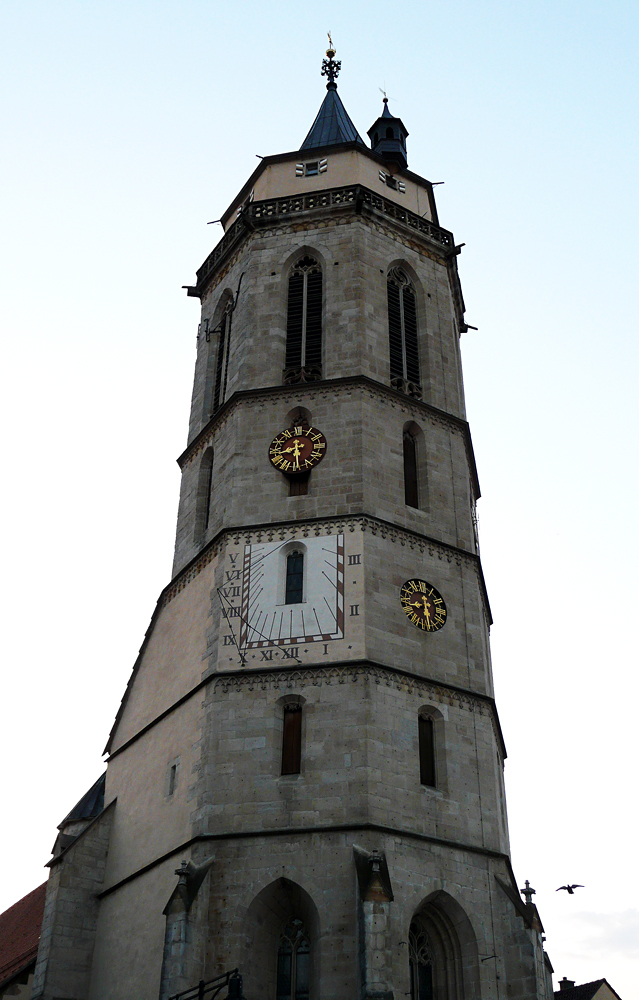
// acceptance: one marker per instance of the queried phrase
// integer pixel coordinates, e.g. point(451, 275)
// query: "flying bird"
point(570, 888)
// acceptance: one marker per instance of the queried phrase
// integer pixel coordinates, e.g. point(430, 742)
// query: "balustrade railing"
point(211, 989)
point(274, 208)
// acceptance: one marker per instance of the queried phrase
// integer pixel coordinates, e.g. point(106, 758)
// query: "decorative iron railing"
point(274, 208)
point(211, 989)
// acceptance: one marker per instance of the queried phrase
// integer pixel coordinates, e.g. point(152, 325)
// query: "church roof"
point(586, 991)
point(91, 804)
point(19, 934)
point(332, 125)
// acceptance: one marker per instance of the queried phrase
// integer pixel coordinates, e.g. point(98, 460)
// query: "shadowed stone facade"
point(381, 883)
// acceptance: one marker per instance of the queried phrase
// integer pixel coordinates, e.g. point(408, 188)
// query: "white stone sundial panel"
point(266, 619)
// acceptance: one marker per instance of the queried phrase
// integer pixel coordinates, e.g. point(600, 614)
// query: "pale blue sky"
point(126, 127)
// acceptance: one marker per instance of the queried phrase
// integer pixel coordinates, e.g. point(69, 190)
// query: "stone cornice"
point(349, 671)
point(296, 832)
point(284, 530)
point(324, 388)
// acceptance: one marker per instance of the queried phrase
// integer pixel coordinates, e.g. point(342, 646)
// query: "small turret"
point(388, 137)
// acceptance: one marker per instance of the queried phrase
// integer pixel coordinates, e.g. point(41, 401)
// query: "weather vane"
point(330, 66)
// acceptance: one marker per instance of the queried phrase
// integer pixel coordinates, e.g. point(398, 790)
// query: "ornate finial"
point(330, 66)
point(528, 892)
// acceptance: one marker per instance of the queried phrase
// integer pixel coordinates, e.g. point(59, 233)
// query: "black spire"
point(388, 137)
point(332, 126)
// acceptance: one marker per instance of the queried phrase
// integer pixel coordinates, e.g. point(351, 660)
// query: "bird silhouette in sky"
point(570, 888)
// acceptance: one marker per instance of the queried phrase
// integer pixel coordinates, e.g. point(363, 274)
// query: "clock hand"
point(297, 451)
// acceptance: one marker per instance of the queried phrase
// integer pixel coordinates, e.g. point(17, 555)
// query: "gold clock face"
point(297, 449)
point(423, 605)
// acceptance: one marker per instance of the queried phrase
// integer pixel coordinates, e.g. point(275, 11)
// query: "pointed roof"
point(332, 125)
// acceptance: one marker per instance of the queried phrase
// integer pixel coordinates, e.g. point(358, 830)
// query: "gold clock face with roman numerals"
point(297, 449)
point(423, 605)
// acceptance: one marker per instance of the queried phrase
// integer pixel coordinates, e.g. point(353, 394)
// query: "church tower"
point(305, 776)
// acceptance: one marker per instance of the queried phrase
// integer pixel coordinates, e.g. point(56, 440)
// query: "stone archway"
point(443, 956)
point(280, 906)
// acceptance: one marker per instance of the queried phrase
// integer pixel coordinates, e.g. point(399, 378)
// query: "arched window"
point(294, 577)
point(292, 740)
point(426, 751)
point(222, 359)
point(411, 485)
point(293, 963)
point(389, 133)
point(402, 333)
point(304, 323)
point(204, 495)
point(421, 963)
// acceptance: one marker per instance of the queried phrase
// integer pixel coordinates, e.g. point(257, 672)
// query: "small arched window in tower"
point(402, 333)
point(303, 361)
point(411, 482)
point(389, 133)
point(222, 359)
point(421, 963)
point(293, 963)
point(426, 751)
point(294, 577)
point(292, 740)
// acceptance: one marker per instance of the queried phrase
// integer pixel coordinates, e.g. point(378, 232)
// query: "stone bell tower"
point(305, 776)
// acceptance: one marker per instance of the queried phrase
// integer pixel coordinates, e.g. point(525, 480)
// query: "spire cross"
point(330, 66)
point(528, 892)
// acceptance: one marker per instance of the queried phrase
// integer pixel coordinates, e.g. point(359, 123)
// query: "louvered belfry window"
point(304, 323)
point(402, 333)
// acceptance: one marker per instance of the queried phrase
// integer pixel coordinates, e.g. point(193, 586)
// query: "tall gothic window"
point(304, 323)
point(222, 360)
point(402, 333)
point(292, 740)
point(421, 964)
point(294, 577)
point(293, 963)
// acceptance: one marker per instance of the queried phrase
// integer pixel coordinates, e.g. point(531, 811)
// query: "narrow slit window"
point(172, 778)
point(222, 361)
point(426, 751)
point(204, 496)
point(303, 362)
point(298, 485)
point(402, 333)
point(411, 491)
point(292, 740)
point(294, 577)
point(207, 493)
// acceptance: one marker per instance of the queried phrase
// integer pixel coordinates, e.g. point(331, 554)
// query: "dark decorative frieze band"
point(356, 673)
point(291, 530)
point(354, 198)
point(325, 389)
